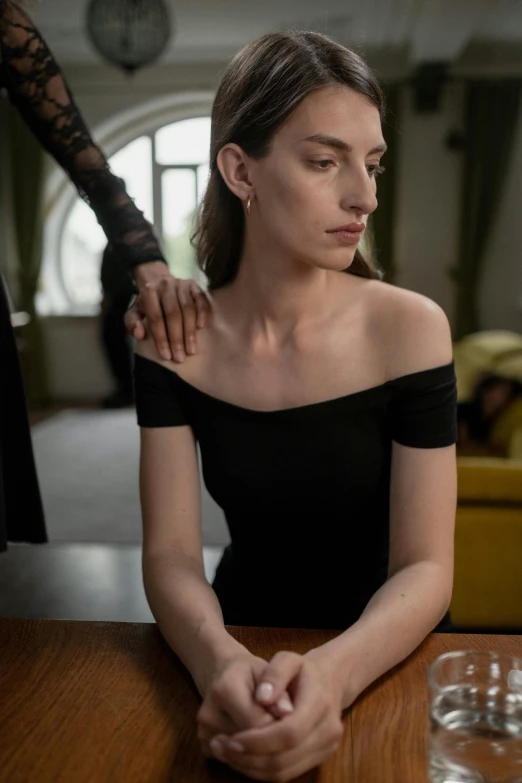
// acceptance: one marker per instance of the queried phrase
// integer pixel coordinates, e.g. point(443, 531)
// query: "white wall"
point(77, 366)
point(427, 212)
point(428, 193)
point(102, 91)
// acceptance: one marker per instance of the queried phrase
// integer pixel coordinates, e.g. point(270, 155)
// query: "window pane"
point(179, 201)
point(187, 141)
point(203, 172)
point(82, 246)
point(133, 164)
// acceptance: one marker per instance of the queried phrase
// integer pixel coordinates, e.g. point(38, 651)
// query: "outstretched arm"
point(37, 88)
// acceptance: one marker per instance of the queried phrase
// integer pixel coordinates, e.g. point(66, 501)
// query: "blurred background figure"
point(492, 396)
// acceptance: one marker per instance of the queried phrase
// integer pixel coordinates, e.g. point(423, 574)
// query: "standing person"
point(323, 401)
point(35, 86)
point(117, 292)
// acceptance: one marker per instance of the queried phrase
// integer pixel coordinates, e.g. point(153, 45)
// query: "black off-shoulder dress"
point(34, 84)
point(305, 490)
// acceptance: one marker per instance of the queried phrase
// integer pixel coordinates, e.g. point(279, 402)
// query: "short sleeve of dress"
point(423, 408)
point(156, 395)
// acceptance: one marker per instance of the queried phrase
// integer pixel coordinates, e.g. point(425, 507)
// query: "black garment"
point(36, 87)
point(116, 343)
point(21, 512)
point(113, 277)
point(118, 291)
point(305, 490)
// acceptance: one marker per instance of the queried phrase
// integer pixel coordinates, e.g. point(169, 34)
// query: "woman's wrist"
point(218, 650)
point(334, 674)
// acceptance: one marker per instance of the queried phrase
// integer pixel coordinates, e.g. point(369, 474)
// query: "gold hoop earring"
point(248, 206)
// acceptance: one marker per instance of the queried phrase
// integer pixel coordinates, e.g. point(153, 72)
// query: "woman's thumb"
point(273, 681)
point(266, 693)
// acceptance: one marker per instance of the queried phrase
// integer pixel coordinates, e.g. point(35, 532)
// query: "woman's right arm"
point(183, 603)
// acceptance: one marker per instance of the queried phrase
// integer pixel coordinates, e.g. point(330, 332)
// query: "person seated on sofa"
point(492, 395)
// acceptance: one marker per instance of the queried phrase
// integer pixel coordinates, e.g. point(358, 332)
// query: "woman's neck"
point(272, 299)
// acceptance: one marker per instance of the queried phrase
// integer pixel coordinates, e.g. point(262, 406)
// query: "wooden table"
point(109, 702)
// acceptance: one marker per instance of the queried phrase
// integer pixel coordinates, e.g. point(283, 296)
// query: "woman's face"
point(497, 397)
point(308, 187)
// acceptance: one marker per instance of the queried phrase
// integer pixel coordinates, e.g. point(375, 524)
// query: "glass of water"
point(475, 723)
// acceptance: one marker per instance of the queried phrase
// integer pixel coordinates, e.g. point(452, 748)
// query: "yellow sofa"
point(487, 589)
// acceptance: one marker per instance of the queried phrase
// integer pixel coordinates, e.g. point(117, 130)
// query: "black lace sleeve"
point(37, 88)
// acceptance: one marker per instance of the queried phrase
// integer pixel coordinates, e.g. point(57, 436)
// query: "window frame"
point(115, 133)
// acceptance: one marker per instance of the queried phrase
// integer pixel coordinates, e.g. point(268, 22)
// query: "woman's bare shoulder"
point(148, 349)
point(413, 329)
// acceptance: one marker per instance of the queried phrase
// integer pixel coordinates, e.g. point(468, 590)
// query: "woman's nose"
point(361, 196)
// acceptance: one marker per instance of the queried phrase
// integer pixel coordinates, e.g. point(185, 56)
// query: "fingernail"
point(265, 691)
point(285, 704)
point(191, 345)
point(201, 320)
point(235, 745)
point(166, 354)
point(179, 355)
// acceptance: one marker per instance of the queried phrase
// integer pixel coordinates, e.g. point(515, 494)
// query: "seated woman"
point(324, 403)
point(492, 396)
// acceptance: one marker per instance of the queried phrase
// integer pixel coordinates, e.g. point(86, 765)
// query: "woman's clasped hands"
point(271, 721)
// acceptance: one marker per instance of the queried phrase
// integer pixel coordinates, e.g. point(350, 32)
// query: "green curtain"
point(382, 221)
point(491, 112)
point(27, 185)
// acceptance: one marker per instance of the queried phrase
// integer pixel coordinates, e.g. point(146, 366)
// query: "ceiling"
point(210, 30)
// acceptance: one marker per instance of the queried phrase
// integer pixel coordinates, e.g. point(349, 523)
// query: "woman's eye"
point(375, 170)
point(319, 162)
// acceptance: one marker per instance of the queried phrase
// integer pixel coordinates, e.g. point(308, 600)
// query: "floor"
point(36, 415)
point(78, 581)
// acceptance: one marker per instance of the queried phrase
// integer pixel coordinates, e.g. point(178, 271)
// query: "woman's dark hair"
point(489, 381)
point(261, 87)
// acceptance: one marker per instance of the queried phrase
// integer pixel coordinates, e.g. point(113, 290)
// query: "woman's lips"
point(347, 237)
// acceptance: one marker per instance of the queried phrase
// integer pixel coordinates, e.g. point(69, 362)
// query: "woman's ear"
point(233, 165)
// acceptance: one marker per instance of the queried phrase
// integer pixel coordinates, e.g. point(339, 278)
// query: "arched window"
point(165, 172)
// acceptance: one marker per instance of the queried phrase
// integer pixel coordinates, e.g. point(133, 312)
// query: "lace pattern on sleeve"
point(37, 88)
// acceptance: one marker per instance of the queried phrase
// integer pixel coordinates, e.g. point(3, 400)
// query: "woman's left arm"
point(397, 619)
point(423, 500)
